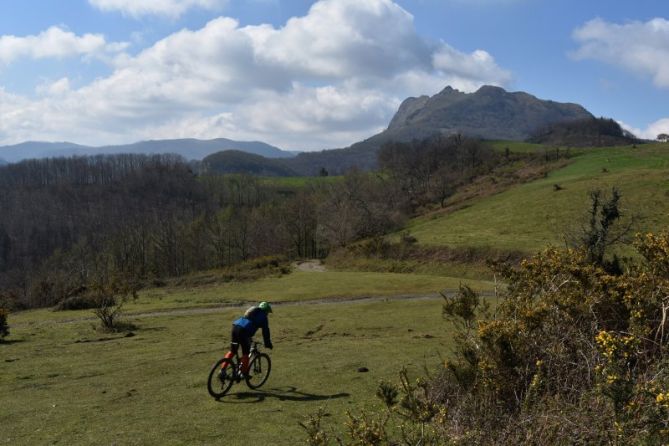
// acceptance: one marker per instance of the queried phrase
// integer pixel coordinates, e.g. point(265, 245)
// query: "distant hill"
point(589, 132)
point(2, 162)
point(235, 161)
point(34, 149)
point(335, 161)
point(188, 148)
point(489, 113)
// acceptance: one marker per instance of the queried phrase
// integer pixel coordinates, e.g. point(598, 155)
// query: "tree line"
point(67, 223)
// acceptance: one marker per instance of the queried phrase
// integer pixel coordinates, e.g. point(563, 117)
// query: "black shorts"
point(240, 337)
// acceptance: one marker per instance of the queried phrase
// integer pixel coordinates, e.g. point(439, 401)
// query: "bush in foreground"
point(572, 355)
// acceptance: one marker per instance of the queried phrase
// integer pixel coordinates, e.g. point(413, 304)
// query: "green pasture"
point(476, 274)
point(66, 383)
point(530, 216)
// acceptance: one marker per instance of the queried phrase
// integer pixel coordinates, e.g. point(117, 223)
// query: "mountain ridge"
point(490, 113)
point(189, 148)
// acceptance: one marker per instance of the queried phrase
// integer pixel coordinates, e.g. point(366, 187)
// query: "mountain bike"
point(227, 371)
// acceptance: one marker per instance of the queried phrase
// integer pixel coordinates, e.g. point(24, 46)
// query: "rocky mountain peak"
point(490, 113)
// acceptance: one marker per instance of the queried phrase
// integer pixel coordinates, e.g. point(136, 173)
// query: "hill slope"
point(531, 216)
point(588, 132)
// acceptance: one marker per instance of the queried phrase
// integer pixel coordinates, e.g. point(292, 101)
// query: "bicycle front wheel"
point(221, 378)
point(259, 371)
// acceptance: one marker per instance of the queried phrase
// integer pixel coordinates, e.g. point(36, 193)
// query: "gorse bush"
point(573, 354)
point(569, 345)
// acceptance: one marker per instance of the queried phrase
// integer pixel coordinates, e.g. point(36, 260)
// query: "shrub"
point(568, 338)
point(79, 302)
point(4, 327)
point(110, 296)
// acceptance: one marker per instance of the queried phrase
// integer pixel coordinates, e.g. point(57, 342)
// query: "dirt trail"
point(323, 301)
point(315, 266)
point(312, 266)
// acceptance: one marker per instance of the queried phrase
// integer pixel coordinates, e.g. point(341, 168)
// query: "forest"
point(69, 223)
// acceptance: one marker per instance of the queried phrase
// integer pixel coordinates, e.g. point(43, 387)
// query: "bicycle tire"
point(259, 370)
point(219, 384)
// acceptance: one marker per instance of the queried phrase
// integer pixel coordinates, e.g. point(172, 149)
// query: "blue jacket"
point(252, 321)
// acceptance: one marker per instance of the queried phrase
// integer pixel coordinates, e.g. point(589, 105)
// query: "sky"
point(313, 74)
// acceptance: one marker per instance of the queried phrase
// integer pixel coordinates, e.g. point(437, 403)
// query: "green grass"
point(530, 216)
point(475, 273)
point(294, 287)
point(64, 383)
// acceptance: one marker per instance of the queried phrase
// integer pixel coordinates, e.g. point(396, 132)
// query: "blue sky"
point(305, 74)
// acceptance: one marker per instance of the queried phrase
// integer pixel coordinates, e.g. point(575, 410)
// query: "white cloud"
point(657, 127)
point(327, 79)
point(650, 132)
point(641, 47)
point(55, 42)
point(340, 38)
point(168, 8)
point(56, 88)
point(469, 71)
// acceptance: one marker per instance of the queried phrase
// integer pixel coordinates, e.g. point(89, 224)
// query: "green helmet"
point(265, 306)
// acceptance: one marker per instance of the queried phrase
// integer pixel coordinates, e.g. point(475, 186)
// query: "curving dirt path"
point(322, 301)
point(315, 266)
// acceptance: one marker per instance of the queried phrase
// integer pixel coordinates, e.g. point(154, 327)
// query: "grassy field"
point(295, 287)
point(65, 383)
point(530, 216)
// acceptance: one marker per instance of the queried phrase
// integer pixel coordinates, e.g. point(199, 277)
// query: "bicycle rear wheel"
point(259, 371)
point(220, 378)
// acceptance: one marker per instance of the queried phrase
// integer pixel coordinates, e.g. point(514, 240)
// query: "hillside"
point(490, 113)
point(191, 149)
point(235, 161)
point(530, 216)
point(588, 132)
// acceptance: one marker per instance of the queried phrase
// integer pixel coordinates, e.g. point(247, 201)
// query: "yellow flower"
point(663, 399)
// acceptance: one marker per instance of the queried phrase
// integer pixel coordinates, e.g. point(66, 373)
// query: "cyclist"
point(245, 327)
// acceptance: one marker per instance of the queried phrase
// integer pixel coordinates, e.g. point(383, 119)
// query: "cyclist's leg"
point(234, 345)
point(245, 342)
